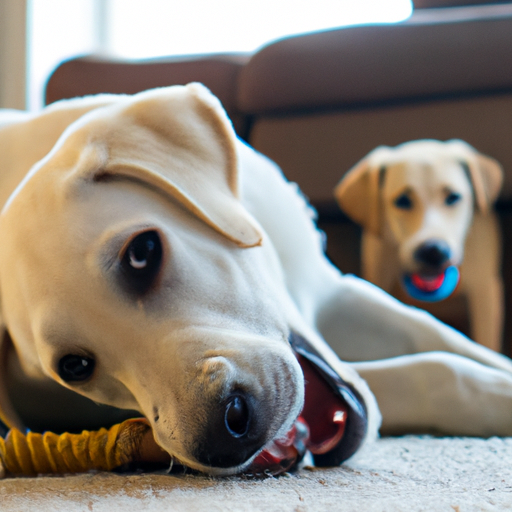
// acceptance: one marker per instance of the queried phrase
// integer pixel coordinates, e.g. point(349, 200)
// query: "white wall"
point(13, 53)
point(58, 30)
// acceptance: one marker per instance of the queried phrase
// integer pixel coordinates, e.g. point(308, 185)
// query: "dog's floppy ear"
point(358, 193)
point(485, 173)
point(179, 140)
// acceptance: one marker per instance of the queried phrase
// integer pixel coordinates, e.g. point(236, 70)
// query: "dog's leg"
point(361, 322)
point(485, 303)
point(378, 264)
point(443, 393)
point(482, 282)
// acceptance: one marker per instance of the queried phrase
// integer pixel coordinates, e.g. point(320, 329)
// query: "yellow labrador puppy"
point(425, 209)
point(153, 262)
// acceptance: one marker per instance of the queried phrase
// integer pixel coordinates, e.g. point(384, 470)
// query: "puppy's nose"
point(232, 433)
point(433, 253)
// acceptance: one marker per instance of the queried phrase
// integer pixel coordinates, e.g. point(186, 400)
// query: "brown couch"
point(317, 103)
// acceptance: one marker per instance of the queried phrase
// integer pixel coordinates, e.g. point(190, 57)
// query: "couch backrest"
point(322, 101)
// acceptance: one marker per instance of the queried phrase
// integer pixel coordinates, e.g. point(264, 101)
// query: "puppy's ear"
point(359, 191)
point(180, 141)
point(485, 173)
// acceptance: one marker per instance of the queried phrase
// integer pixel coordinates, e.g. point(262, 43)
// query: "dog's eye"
point(452, 198)
point(75, 368)
point(403, 201)
point(141, 261)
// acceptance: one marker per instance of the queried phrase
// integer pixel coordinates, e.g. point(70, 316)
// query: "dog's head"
point(420, 196)
point(131, 273)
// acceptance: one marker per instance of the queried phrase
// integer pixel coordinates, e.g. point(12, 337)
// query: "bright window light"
point(151, 28)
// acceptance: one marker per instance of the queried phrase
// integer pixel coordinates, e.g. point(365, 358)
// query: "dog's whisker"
point(169, 469)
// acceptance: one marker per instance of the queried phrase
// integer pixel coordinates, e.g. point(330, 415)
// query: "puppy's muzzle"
point(433, 255)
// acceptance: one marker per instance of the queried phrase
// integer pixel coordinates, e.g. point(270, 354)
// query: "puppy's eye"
point(452, 198)
point(141, 261)
point(403, 201)
point(75, 368)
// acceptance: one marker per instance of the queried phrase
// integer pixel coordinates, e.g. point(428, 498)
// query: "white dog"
point(426, 209)
point(152, 261)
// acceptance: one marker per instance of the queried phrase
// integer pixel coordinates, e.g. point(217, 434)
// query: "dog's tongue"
point(428, 283)
point(319, 427)
point(281, 454)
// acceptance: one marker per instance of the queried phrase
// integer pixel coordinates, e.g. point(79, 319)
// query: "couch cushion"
point(427, 56)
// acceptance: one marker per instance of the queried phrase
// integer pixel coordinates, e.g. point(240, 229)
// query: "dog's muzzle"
point(331, 426)
point(437, 279)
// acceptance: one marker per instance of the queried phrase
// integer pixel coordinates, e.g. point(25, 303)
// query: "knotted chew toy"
point(331, 426)
point(32, 454)
point(432, 289)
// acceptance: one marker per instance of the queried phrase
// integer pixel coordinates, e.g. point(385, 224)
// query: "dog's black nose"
point(236, 418)
point(433, 253)
point(232, 432)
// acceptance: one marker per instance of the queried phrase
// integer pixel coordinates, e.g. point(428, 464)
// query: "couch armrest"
point(93, 75)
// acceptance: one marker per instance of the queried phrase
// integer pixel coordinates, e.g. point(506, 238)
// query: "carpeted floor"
point(396, 474)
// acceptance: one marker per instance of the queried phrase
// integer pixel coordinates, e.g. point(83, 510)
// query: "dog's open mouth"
point(331, 426)
point(432, 288)
point(428, 283)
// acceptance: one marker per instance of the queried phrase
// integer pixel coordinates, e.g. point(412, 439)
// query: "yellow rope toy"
point(33, 454)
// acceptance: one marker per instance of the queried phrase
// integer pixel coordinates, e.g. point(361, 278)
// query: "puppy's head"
point(131, 273)
point(420, 196)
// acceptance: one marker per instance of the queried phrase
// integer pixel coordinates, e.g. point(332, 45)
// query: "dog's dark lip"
point(332, 424)
point(343, 394)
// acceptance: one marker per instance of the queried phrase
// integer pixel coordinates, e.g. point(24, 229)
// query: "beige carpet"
point(396, 474)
